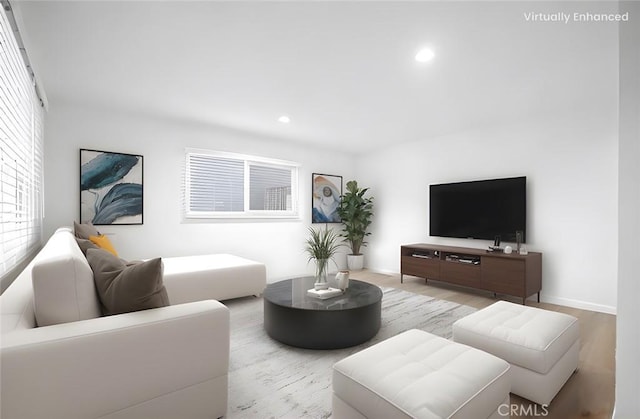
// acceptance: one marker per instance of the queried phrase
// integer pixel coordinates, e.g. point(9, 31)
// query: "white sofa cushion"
point(417, 374)
point(63, 287)
point(530, 337)
point(216, 277)
point(169, 362)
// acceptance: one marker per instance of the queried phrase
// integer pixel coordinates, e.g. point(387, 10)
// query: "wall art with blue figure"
point(326, 195)
point(110, 187)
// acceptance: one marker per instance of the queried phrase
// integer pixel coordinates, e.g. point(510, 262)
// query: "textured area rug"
point(268, 379)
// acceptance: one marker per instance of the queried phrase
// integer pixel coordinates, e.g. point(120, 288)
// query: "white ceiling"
point(343, 71)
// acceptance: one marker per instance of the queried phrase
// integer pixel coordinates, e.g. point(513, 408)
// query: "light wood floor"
point(589, 393)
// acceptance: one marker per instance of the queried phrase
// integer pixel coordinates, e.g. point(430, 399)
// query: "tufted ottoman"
point(542, 346)
point(416, 374)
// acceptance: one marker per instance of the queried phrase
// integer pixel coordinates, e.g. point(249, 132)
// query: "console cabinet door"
point(502, 275)
point(460, 274)
point(420, 267)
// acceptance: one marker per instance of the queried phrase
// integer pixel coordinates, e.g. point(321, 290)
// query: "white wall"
point(278, 244)
point(628, 332)
point(571, 166)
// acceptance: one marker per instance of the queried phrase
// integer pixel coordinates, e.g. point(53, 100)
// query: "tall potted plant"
point(356, 211)
point(321, 246)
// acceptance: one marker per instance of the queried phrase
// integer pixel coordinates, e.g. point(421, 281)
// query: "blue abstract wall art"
point(110, 188)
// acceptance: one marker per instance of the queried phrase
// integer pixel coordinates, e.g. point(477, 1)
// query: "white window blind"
point(21, 154)
point(234, 186)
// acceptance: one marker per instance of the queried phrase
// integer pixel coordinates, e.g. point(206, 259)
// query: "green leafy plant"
point(356, 211)
point(322, 246)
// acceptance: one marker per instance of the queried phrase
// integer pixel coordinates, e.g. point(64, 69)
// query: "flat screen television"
point(480, 209)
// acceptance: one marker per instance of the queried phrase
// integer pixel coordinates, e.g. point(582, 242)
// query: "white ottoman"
point(418, 375)
point(542, 346)
point(212, 277)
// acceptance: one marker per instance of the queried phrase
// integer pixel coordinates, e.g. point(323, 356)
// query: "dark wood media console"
point(511, 274)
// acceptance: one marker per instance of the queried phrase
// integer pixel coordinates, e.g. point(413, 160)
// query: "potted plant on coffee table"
point(321, 246)
point(355, 211)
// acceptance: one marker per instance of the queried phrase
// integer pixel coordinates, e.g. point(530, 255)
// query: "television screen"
point(480, 209)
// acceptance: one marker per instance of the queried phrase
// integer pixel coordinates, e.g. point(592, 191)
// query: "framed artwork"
point(110, 188)
point(326, 192)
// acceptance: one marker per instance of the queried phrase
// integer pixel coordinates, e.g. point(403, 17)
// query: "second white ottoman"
point(542, 346)
point(419, 375)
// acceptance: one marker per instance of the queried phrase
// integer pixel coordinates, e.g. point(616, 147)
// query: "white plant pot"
point(355, 262)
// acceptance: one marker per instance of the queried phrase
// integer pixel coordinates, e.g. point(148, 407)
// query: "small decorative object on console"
point(508, 250)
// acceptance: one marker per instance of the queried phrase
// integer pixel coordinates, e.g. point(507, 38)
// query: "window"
point(226, 185)
point(21, 153)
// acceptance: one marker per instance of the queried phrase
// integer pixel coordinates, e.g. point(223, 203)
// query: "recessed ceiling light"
point(425, 55)
point(284, 119)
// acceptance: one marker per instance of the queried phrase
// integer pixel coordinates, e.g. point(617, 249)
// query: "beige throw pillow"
point(125, 288)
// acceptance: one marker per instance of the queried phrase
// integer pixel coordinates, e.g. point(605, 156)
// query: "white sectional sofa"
point(166, 362)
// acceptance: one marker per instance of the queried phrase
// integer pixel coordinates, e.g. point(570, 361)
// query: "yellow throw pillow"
point(103, 242)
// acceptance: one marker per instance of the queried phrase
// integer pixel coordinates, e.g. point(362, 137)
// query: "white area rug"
point(268, 379)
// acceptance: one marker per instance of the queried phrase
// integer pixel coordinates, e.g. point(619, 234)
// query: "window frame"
point(247, 213)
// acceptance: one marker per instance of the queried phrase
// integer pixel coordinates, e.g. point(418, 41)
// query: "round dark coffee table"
point(294, 318)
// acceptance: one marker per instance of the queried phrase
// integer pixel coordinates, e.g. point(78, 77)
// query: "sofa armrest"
point(92, 368)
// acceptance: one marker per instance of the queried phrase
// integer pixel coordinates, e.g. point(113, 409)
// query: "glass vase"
point(322, 266)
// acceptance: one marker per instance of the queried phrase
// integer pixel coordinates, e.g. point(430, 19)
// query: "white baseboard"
point(382, 271)
point(567, 302)
point(582, 305)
